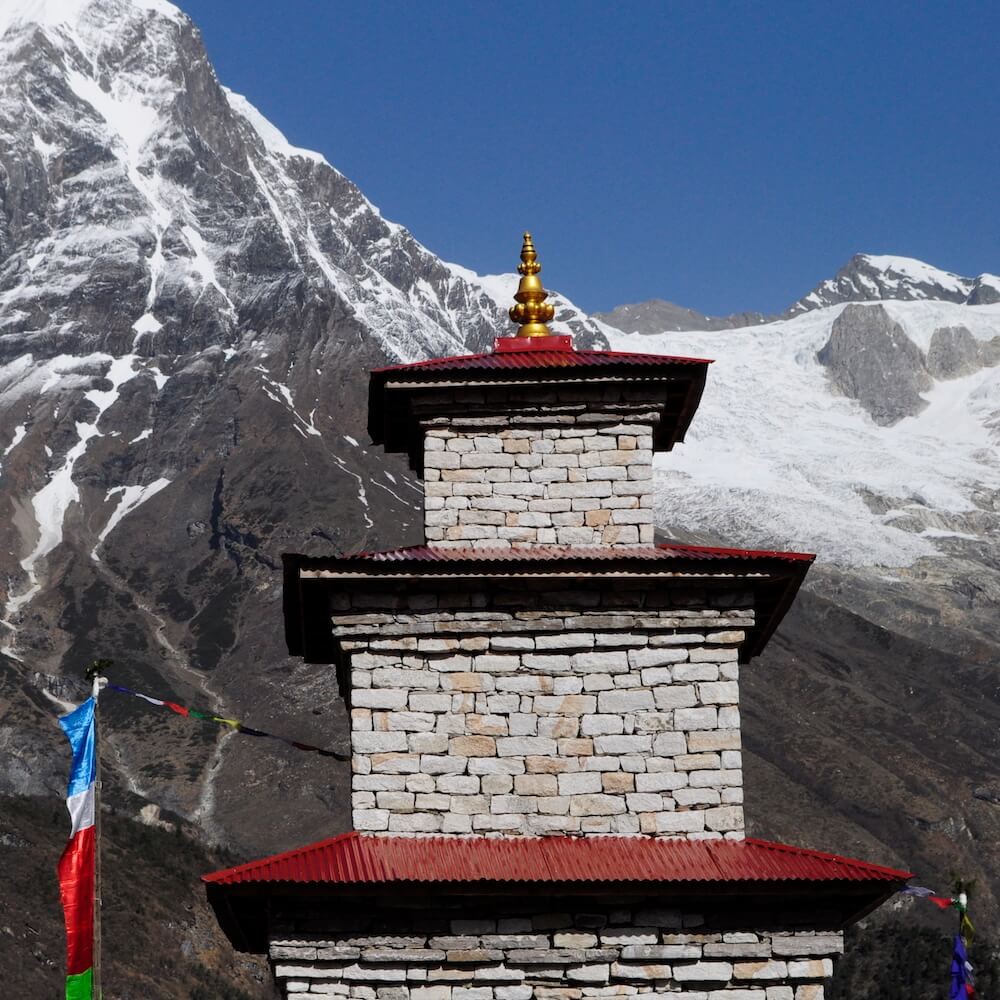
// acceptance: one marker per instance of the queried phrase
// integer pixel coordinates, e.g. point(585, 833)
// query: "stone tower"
point(547, 782)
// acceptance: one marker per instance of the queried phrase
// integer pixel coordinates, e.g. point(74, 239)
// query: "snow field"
point(776, 458)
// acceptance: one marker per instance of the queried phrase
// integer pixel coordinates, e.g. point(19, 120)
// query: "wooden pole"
point(99, 682)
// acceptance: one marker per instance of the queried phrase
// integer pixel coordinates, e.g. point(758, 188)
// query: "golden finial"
point(532, 312)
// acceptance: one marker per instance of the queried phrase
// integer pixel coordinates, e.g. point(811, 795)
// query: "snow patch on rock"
point(131, 498)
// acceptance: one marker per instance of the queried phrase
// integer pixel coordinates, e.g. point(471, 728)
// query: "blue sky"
point(725, 156)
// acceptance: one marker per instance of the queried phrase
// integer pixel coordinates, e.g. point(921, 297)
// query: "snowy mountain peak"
point(159, 234)
point(881, 277)
point(272, 137)
point(910, 271)
point(68, 13)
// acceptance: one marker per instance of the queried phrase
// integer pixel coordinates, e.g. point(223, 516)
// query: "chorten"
point(547, 779)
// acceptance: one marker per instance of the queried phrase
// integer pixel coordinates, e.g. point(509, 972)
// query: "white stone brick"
point(432, 743)
point(623, 744)
point(492, 823)
point(497, 784)
point(442, 764)
point(379, 782)
point(702, 972)
point(494, 765)
point(808, 944)
point(419, 701)
point(410, 722)
point(729, 718)
point(602, 725)
point(654, 722)
point(596, 805)
point(585, 782)
point(661, 781)
point(680, 822)
point(719, 739)
point(712, 654)
point(572, 704)
point(656, 657)
point(371, 819)
point(719, 693)
point(670, 744)
point(696, 718)
point(632, 935)
point(566, 641)
point(697, 797)
point(644, 802)
point(512, 642)
point(395, 677)
point(377, 742)
point(378, 698)
point(724, 818)
point(452, 823)
point(696, 671)
point(817, 968)
point(675, 696)
point(524, 724)
point(396, 801)
point(628, 701)
point(764, 970)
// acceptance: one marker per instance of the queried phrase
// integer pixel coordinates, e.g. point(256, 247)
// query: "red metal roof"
point(674, 385)
point(532, 553)
point(532, 357)
point(358, 859)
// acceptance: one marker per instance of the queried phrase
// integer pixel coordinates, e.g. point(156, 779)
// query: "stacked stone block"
point(553, 956)
point(545, 722)
point(566, 485)
point(565, 463)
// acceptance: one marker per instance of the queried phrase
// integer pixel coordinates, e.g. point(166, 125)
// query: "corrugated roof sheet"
point(532, 553)
point(353, 859)
point(529, 358)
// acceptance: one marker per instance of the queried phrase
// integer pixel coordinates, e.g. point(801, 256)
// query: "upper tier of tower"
point(536, 443)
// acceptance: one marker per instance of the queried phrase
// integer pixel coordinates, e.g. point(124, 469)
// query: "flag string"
point(234, 724)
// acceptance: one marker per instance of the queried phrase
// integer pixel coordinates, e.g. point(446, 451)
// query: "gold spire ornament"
point(532, 312)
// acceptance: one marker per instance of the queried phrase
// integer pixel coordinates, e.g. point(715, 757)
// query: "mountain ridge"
point(864, 278)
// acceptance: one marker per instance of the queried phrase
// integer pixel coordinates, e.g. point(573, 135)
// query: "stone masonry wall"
point(538, 722)
point(553, 956)
point(569, 484)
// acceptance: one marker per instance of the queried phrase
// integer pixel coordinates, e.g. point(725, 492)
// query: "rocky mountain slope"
point(188, 306)
point(658, 316)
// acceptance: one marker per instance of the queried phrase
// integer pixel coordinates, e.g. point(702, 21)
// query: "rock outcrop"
point(870, 358)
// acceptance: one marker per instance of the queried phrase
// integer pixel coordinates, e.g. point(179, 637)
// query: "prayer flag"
point(943, 902)
point(76, 866)
point(962, 977)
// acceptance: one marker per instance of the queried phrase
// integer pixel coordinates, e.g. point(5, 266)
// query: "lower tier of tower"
point(552, 949)
point(542, 918)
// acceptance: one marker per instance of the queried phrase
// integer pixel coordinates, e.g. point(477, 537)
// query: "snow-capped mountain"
point(864, 278)
point(873, 277)
point(188, 306)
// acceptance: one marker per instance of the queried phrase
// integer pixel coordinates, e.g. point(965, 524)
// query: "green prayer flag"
point(80, 986)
